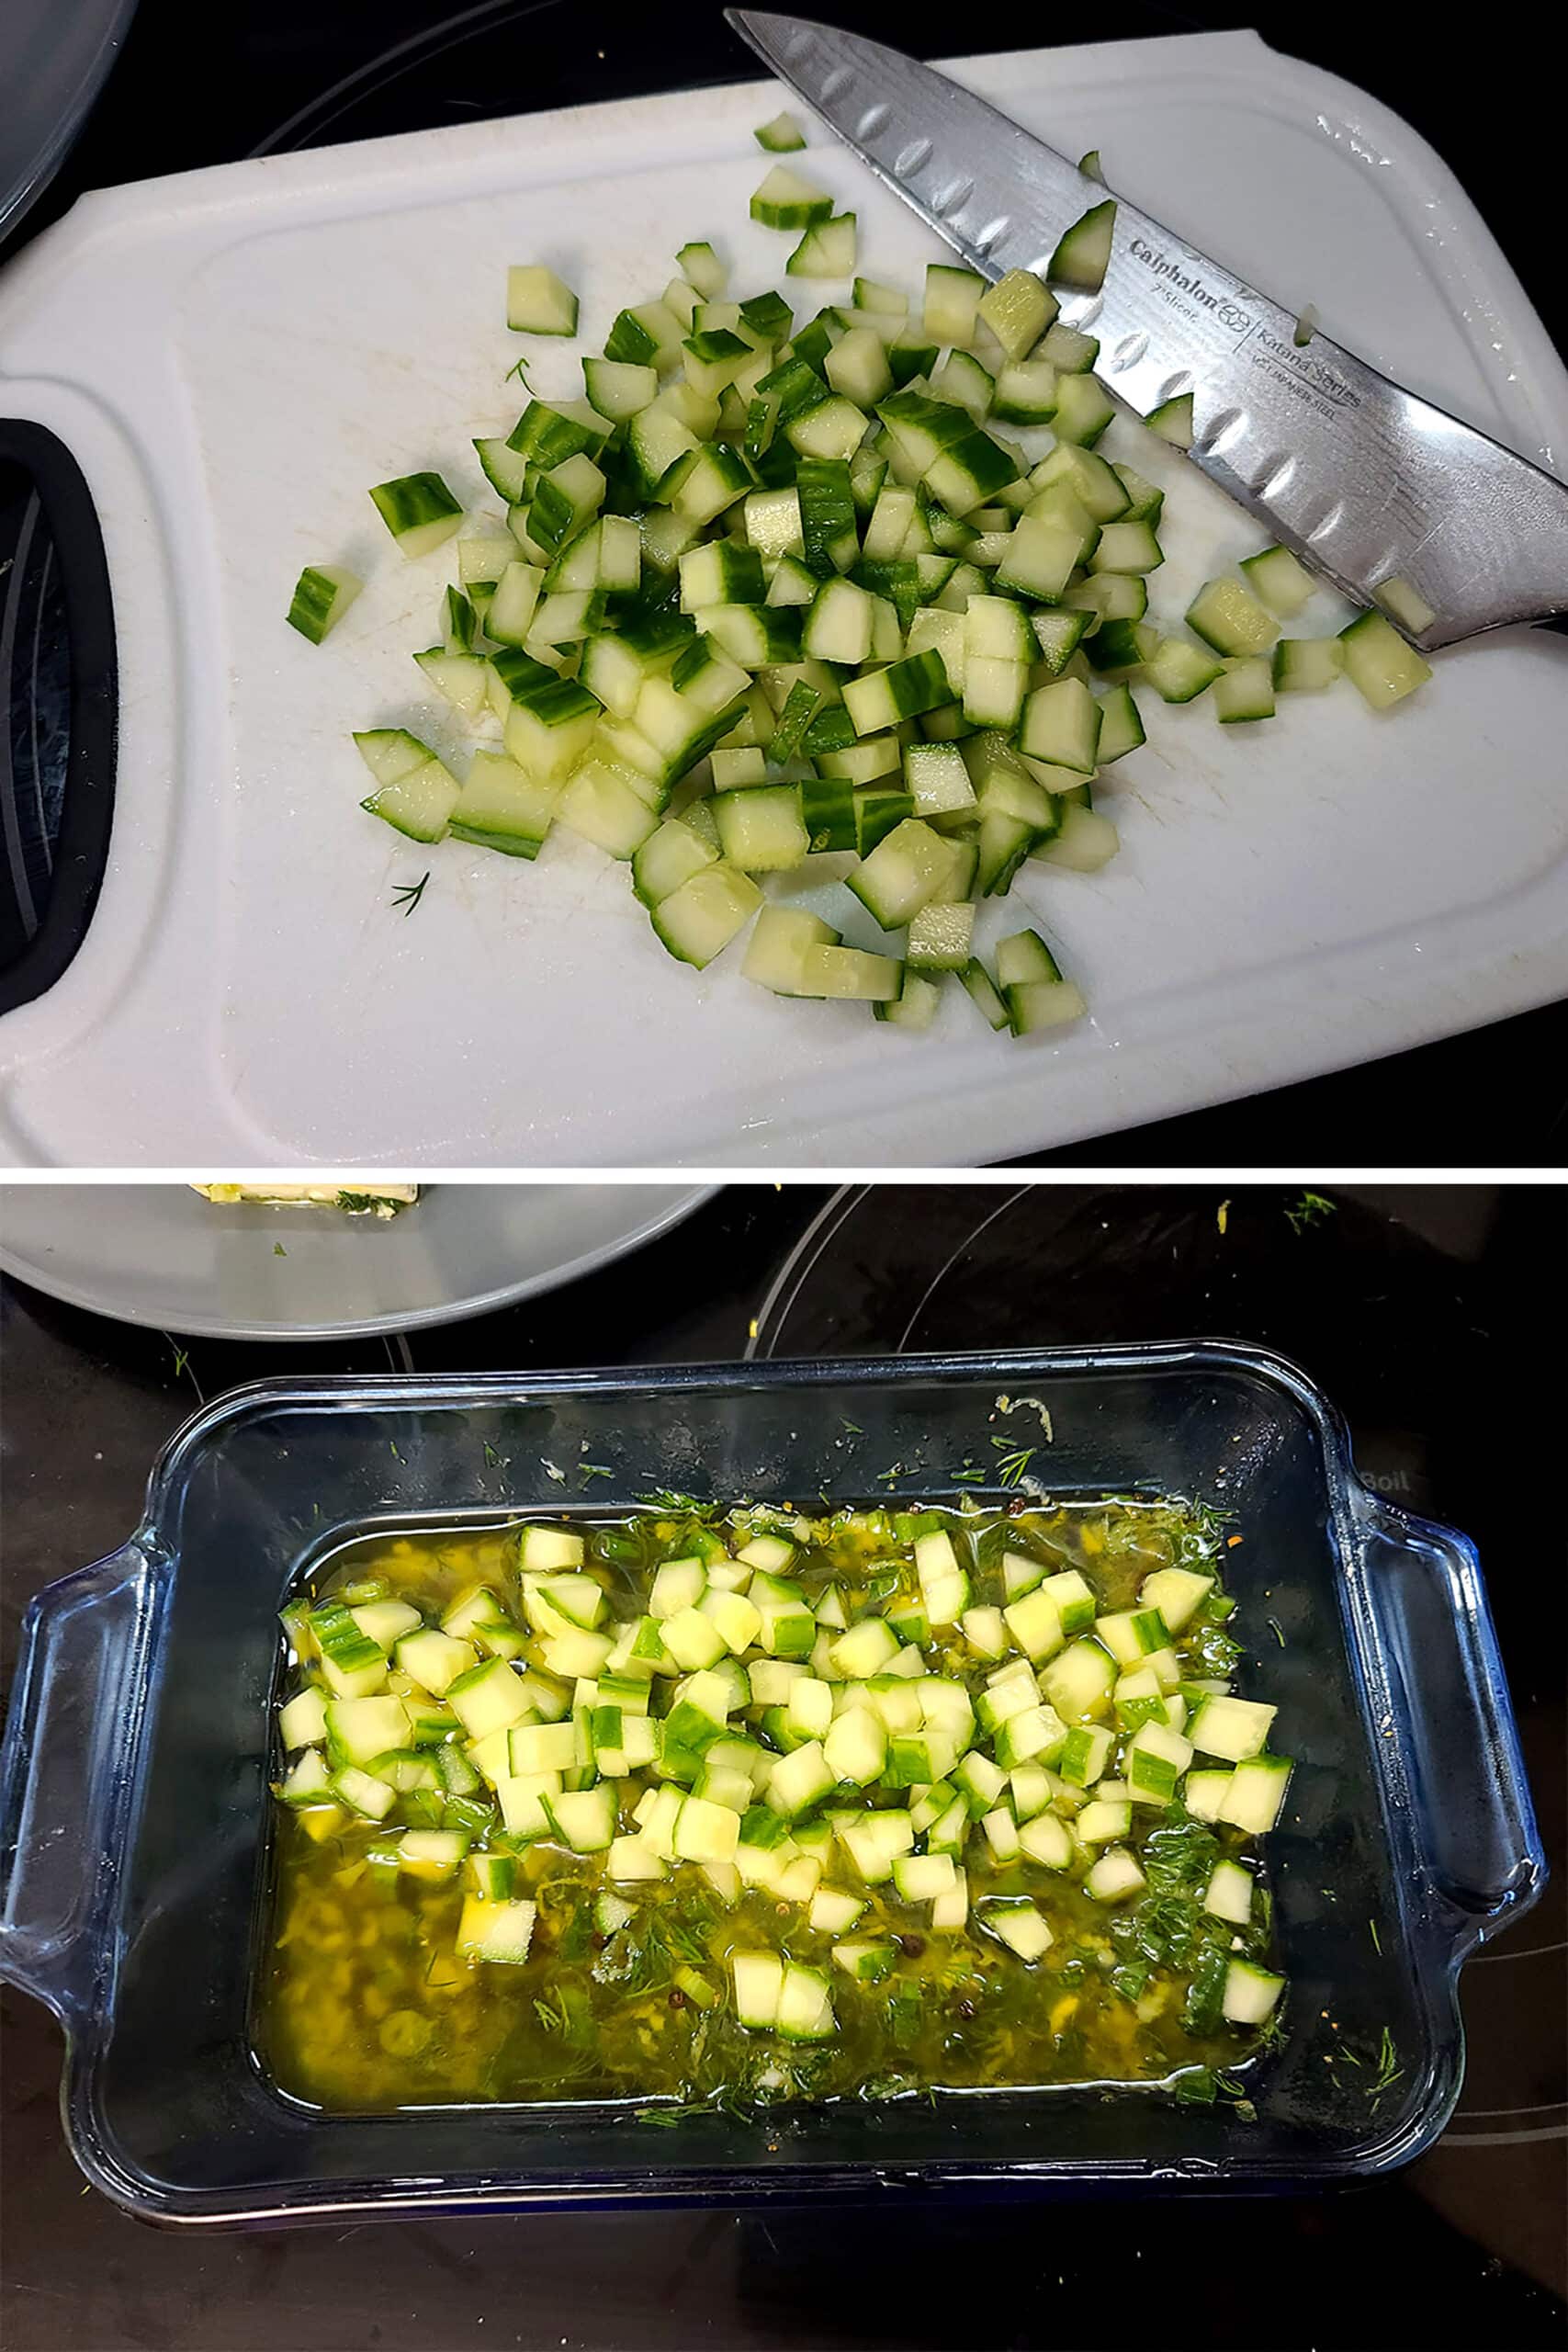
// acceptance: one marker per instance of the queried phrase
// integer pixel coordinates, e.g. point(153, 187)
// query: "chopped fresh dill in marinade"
point(718, 1807)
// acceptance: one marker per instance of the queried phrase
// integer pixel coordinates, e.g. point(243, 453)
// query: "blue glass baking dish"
point(135, 1809)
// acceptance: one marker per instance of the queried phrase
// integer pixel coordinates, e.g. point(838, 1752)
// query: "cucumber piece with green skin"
point(1307, 664)
point(952, 303)
point(1121, 729)
point(1061, 724)
point(1084, 409)
point(649, 334)
point(1018, 310)
point(857, 366)
point(1126, 546)
point(1245, 691)
point(1228, 617)
point(1041, 557)
point(1069, 350)
point(1179, 671)
point(909, 355)
point(513, 605)
point(697, 922)
point(1173, 419)
point(904, 689)
point(885, 301)
point(1115, 1876)
point(923, 428)
point(322, 593)
point(788, 200)
point(1084, 252)
point(761, 829)
point(963, 380)
point(1122, 645)
point(1250, 1994)
point(501, 807)
point(938, 782)
point(1025, 392)
point(837, 626)
point(1405, 603)
point(879, 808)
point(775, 954)
point(1019, 1926)
point(713, 361)
point(782, 135)
point(940, 937)
point(1254, 1792)
point(827, 250)
point(905, 870)
point(681, 297)
point(915, 1006)
point(1144, 502)
point(670, 857)
point(1108, 597)
point(1085, 843)
point(968, 473)
point(982, 989)
point(419, 510)
point(549, 433)
point(833, 429)
point(850, 974)
point(603, 804)
point(702, 267)
point(1234, 1729)
point(1279, 580)
point(1379, 663)
point(538, 302)
point(416, 793)
point(1089, 478)
point(1057, 636)
point(753, 636)
point(829, 540)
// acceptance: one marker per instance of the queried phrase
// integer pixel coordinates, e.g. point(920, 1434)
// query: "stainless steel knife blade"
point(1372, 486)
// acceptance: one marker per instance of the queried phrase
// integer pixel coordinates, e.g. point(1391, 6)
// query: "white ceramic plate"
point(160, 1254)
point(236, 355)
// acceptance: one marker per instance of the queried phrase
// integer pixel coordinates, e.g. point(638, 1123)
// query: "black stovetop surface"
point(1417, 1308)
point(265, 75)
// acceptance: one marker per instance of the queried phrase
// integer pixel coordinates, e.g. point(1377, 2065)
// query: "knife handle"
point(58, 676)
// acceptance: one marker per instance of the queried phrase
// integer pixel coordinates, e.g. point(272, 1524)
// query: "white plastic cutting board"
point(234, 356)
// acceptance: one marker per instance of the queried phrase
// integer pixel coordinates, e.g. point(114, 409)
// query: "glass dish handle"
point(69, 1737)
point(1453, 1721)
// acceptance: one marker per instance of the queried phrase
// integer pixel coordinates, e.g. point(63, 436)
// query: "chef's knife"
point(1398, 502)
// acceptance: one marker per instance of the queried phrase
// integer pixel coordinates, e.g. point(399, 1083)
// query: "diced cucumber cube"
point(537, 302)
point(1250, 1993)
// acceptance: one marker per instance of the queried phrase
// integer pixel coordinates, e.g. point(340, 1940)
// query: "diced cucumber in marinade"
point(817, 1816)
